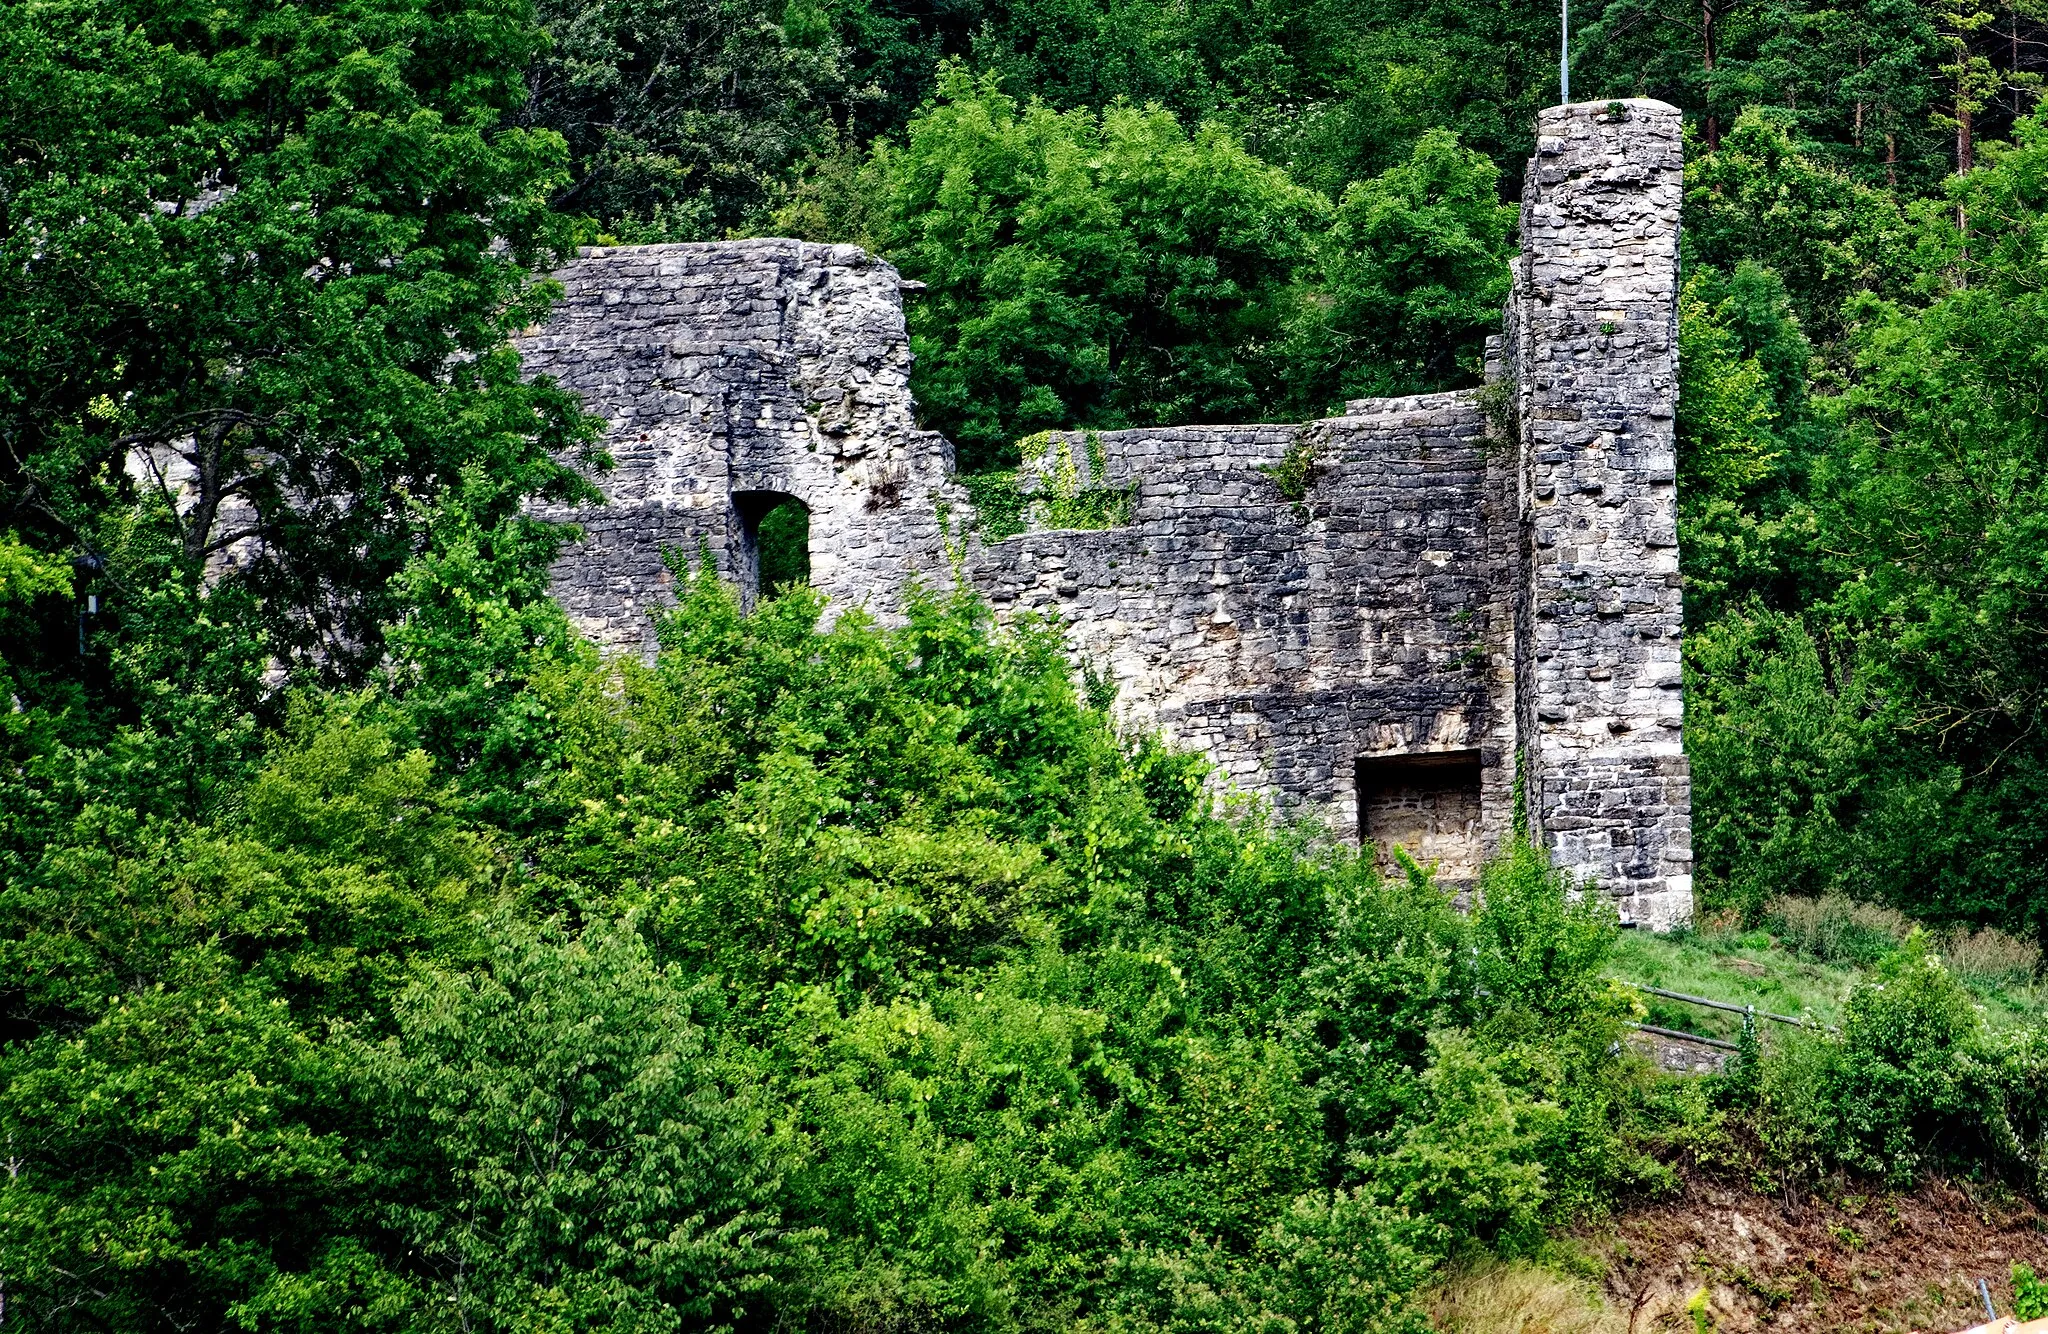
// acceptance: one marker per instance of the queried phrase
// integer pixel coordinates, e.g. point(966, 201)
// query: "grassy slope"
point(1756, 968)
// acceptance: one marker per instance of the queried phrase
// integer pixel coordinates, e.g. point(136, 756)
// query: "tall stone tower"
point(1592, 332)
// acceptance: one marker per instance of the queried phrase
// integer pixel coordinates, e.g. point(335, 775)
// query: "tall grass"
point(1991, 956)
point(1519, 1299)
point(1837, 929)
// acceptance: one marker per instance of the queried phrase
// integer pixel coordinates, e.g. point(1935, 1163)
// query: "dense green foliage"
point(2030, 1294)
point(372, 955)
point(263, 261)
point(1864, 650)
point(681, 118)
point(1911, 1079)
point(863, 977)
point(1119, 269)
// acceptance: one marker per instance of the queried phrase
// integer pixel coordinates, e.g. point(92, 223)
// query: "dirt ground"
point(1839, 1261)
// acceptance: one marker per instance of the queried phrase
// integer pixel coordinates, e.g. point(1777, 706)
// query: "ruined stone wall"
point(1374, 618)
point(733, 369)
point(1288, 638)
point(1592, 333)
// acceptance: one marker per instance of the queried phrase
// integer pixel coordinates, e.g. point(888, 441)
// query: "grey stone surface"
point(729, 369)
point(1292, 639)
point(1681, 1057)
point(1448, 591)
point(1592, 346)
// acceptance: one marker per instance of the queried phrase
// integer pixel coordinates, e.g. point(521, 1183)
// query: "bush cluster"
point(864, 978)
point(1912, 1082)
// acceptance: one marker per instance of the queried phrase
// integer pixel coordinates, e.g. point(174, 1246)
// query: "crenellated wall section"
point(1372, 619)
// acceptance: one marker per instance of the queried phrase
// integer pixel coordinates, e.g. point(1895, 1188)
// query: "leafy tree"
point(1852, 78)
point(1971, 80)
point(1826, 238)
point(1891, 735)
point(1082, 269)
point(178, 1128)
point(1412, 276)
point(1676, 52)
point(1888, 45)
point(683, 120)
point(1479, 70)
point(1781, 728)
point(1332, 92)
point(1750, 437)
point(1941, 512)
point(266, 262)
point(561, 1143)
point(26, 574)
point(1116, 271)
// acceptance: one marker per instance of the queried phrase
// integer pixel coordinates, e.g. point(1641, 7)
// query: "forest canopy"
point(373, 954)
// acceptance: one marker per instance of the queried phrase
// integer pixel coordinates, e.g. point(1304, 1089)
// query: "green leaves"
point(1913, 1081)
point(267, 266)
point(1758, 199)
point(1411, 278)
point(177, 1120)
point(1081, 269)
point(830, 976)
point(561, 1150)
point(1467, 1154)
point(682, 120)
point(1115, 269)
point(26, 574)
point(2029, 1294)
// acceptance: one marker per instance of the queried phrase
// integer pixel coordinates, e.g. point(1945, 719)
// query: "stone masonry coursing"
point(1592, 339)
point(727, 373)
point(1377, 619)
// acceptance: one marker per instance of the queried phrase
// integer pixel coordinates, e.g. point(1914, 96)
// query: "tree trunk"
point(1891, 159)
point(1856, 136)
point(206, 463)
point(1713, 122)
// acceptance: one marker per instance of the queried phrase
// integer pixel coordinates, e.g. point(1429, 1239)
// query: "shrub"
point(1466, 1155)
point(1912, 1081)
point(560, 1136)
point(1542, 945)
point(2029, 1294)
point(1908, 1075)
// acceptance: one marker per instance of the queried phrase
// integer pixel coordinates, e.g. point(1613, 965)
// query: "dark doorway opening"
point(775, 543)
point(1427, 804)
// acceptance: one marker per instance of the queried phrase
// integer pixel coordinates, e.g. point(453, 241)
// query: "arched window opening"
point(775, 543)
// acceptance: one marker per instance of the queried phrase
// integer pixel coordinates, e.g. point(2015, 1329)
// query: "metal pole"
point(1564, 49)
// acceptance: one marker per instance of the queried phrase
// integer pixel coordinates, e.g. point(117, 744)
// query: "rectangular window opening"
point(1427, 804)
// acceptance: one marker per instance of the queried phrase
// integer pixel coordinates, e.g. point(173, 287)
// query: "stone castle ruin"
point(1396, 618)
